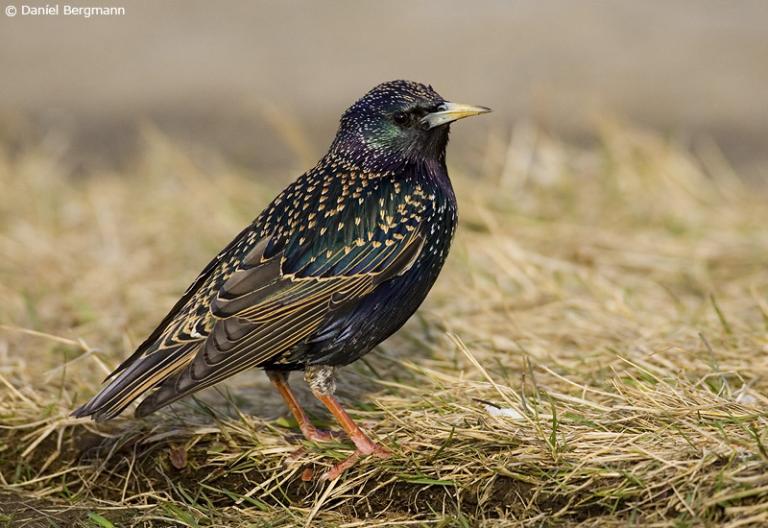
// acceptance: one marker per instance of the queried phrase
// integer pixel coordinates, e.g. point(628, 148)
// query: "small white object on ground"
point(746, 398)
point(506, 412)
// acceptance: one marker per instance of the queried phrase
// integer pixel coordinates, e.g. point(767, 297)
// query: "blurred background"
point(263, 82)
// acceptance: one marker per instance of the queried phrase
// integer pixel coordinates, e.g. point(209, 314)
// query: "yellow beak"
point(449, 112)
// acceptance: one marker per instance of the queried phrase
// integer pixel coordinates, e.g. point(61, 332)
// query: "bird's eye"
point(401, 118)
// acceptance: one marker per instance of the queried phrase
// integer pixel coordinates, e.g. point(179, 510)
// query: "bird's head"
point(399, 120)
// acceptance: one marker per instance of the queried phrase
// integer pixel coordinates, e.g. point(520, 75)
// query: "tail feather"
point(134, 380)
point(169, 391)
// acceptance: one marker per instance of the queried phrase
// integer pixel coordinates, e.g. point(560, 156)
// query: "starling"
point(333, 266)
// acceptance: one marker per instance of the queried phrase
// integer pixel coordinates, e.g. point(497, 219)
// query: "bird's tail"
point(134, 380)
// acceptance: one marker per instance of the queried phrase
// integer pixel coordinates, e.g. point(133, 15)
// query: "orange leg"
point(364, 445)
point(311, 433)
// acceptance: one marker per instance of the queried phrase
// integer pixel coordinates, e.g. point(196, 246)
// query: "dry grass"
point(612, 301)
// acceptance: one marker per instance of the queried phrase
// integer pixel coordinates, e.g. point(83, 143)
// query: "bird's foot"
point(313, 434)
point(371, 448)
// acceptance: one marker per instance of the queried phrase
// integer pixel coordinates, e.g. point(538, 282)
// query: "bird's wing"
point(290, 283)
